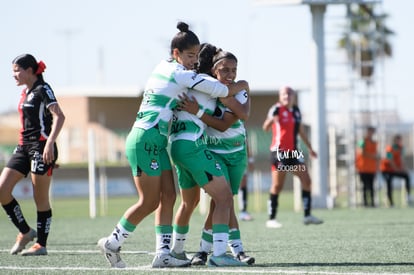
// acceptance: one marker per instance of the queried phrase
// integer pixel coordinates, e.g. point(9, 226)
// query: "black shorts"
point(28, 158)
point(280, 159)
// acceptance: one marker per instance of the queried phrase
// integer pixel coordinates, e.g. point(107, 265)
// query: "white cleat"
point(167, 260)
point(22, 240)
point(273, 224)
point(245, 216)
point(112, 256)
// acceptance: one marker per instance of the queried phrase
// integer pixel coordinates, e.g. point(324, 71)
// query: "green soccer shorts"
point(195, 164)
point(146, 152)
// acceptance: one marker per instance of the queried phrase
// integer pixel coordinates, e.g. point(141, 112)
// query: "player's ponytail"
point(41, 66)
point(205, 58)
point(184, 39)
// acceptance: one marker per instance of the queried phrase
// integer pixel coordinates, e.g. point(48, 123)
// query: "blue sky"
point(90, 43)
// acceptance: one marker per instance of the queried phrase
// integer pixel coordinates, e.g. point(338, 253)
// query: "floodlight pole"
point(319, 133)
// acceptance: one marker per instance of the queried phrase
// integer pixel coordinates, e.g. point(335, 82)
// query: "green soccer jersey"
point(186, 126)
point(234, 138)
point(168, 80)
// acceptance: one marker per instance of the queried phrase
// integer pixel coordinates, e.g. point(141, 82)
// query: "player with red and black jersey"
point(36, 153)
point(35, 117)
point(284, 118)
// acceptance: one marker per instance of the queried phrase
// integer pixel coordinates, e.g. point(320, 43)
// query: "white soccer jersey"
point(188, 126)
point(167, 81)
point(234, 138)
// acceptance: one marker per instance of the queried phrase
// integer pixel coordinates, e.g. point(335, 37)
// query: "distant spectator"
point(393, 166)
point(367, 165)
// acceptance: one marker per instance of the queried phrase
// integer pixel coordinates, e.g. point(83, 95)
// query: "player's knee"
point(168, 199)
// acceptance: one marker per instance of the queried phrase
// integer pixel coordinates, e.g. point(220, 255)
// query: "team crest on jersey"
point(30, 97)
point(154, 165)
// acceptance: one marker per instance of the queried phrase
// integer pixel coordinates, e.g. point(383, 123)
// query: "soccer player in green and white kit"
point(227, 141)
point(146, 148)
point(196, 168)
point(189, 171)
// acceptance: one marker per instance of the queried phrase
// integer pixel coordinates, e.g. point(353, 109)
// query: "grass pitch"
point(351, 241)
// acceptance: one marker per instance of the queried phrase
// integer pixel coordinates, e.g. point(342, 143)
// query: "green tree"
point(365, 39)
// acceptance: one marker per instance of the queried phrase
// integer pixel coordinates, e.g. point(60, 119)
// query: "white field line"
point(246, 270)
point(84, 251)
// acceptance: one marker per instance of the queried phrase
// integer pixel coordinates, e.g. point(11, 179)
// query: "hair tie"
point(41, 66)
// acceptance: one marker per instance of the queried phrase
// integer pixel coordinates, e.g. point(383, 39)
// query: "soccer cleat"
point(245, 216)
point(180, 256)
point(167, 260)
point(311, 220)
point(224, 260)
point(273, 224)
point(22, 240)
point(242, 257)
point(35, 250)
point(200, 258)
point(112, 256)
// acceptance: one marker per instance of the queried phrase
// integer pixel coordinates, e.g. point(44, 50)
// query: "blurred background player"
point(393, 166)
point(367, 165)
point(243, 195)
point(285, 120)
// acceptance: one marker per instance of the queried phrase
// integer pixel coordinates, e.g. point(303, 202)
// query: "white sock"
point(162, 243)
point(117, 237)
point(179, 241)
point(206, 245)
point(220, 243)
point(236, 245)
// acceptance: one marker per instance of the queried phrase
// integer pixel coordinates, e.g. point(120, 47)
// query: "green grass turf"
point(351, 241)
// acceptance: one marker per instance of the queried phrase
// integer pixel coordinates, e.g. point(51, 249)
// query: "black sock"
point(272, 205)
point(407, 184)
point(307, 201)
point(44, 219)
point(15, 214)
